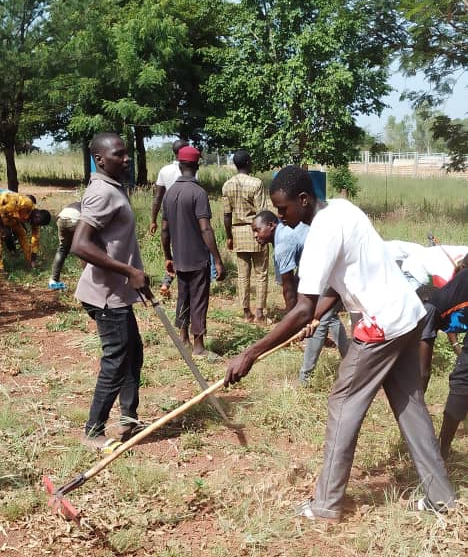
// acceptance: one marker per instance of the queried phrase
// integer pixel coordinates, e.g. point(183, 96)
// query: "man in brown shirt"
point(243, 197)
point(110, 283)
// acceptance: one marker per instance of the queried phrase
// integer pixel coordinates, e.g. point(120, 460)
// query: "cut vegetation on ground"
point(196, 487)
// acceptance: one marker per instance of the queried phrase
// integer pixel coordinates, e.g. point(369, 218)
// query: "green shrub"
point(342, 179)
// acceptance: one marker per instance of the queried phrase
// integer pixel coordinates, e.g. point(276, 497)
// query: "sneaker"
point(424, 504)
point(95, 443)
point(305, 509)
point(55, 285)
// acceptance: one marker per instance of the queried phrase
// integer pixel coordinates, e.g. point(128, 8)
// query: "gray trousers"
point(330, 321)
point(393, 365)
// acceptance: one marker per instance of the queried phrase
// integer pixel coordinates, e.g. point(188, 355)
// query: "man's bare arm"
point(289, 282)
point(156, 206)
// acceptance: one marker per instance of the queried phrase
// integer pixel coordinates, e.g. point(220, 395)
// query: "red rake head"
point(58, 503)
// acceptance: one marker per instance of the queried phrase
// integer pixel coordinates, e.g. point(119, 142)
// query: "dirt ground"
point(197, 530)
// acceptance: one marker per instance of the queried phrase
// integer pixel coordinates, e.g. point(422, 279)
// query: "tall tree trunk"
point(142, 169)
point(12, 174)
point(130, 142)
point(86, 160)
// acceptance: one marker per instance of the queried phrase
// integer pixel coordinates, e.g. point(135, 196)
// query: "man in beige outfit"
point(243, 197)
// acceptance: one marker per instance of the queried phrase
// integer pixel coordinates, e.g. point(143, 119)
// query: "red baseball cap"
point(188, 154)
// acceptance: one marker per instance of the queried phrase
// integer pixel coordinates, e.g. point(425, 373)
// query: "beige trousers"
point(259, 261)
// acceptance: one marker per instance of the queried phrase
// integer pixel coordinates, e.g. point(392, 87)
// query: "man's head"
point(242, 160)
point(110, 155)
point(264, 226)
point(177, 146)
point(188, 160)
point(293, 195)
point(39, 217)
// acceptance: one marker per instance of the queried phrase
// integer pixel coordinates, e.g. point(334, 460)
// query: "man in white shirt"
point(166, 177)
point(343, 250)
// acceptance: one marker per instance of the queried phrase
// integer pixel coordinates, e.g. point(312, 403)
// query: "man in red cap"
point(188, 240)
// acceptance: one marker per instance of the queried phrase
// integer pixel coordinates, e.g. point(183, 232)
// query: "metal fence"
point(406, 164)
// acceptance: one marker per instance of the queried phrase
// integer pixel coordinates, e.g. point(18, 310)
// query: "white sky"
point(455, 106)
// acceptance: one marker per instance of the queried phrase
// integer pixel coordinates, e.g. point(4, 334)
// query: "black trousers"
point(122, 358)
point(192, 300)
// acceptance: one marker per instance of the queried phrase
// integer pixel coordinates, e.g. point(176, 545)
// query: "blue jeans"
point(314, 344)
point(121, 361)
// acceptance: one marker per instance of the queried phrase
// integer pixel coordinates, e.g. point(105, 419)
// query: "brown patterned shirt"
point(244, 196)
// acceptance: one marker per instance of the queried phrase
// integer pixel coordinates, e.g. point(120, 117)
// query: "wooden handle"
point(175, 413)
point(315, 323)
point(156, 425)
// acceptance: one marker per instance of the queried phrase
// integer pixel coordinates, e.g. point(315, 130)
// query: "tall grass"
point(409, 208)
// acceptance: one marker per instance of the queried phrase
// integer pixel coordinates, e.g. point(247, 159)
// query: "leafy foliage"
point(455, 135)
point(295, 74)
point(21, 32)
point(436, 42)
point(342, 179)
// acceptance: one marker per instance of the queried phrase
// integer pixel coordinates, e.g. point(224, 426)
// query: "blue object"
point(129, 182)
point(319, 182)
point(54, 285)
point(213, 273)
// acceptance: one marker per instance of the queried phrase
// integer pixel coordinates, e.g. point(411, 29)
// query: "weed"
point(71, 320)
point(173, 551)
point(135, 478)
point(19, 504)
point(76, 415)
point(191, 441)
point(126, 539)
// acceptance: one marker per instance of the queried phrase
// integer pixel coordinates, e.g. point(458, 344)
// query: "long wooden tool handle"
point(156, 425)
point(174, 414)
point(298, 335)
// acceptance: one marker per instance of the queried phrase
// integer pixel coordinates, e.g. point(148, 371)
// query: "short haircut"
point(43, 216)
point(178, 144)
point(266, 217)
point(242, 158)
point(293, 180)
point(188, 165)
point(100, 140)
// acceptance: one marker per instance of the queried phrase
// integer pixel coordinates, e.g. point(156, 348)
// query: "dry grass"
point(194, 488)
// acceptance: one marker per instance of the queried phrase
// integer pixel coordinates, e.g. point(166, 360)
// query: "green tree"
point(437, 45)
point(455, 135)
point(295, 73)
point(398, 134)
point(436, 42)
point(22, 24)
point(133, 66)
point(343, 181)
point(423, 138)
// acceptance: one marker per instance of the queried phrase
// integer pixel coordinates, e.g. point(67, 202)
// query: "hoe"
point(61, 505)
